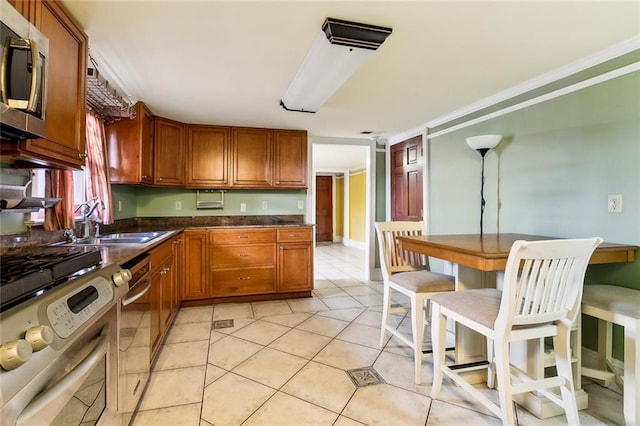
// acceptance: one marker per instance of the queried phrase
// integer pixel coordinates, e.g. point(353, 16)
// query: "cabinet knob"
point(159, 179)
point(82, 155)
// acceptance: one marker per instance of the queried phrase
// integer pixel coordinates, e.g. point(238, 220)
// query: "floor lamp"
point(483, 144)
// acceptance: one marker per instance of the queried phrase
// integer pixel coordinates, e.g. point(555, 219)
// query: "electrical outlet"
point(243, 207)
point(265, 205)
point(614, 203)
point(178, 205)
point(301, 204)
point(119, 205)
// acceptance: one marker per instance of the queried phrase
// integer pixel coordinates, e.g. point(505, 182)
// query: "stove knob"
point(122, 277)
point(39, 337)
point(14, 353)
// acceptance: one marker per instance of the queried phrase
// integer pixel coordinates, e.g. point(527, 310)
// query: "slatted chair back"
point(392, 258)
point(543, 281)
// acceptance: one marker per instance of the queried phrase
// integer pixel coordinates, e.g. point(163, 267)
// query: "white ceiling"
point(229, 62)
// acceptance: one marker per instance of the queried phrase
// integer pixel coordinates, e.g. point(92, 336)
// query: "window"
point(37, 190)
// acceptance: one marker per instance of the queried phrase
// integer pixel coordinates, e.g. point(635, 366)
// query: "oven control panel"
point(67, 314)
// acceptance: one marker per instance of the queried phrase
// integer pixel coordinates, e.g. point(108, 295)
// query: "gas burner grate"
point(23, 275)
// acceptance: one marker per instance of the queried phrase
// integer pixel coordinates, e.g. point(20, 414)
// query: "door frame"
point(370, 168)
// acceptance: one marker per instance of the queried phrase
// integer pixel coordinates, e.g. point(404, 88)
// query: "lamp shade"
point(484, 141)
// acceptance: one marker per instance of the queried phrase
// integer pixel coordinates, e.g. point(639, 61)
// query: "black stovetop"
point(25, 275)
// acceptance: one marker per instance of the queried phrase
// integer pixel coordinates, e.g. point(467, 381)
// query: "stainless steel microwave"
point(23, 75)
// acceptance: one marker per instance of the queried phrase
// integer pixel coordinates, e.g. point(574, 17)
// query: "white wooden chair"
point(408, 273)
point(543, 284)
point(616, 305)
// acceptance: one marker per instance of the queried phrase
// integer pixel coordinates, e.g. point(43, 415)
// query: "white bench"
point(616, 305)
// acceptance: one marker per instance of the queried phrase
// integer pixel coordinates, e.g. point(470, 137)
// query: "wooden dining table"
point(478, 261)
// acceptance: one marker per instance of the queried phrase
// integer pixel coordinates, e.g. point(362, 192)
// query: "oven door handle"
point(127, 301)
point(46, 406)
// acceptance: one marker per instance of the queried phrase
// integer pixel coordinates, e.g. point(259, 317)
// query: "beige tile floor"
point(284, 362)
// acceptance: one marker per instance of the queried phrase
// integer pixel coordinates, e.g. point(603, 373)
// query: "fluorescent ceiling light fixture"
point(336, 53)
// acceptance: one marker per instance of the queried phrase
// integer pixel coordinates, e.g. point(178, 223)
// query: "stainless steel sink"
point(123, 238)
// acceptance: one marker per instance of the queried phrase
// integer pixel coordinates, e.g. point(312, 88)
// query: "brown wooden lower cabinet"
point(165, 276)
point(231, 263)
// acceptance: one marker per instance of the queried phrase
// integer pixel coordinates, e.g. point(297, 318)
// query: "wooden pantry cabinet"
point(130, 148)
point(65, 110)
point(250, 263)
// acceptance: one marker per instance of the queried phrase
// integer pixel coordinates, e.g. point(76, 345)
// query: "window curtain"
point(59, 184)
point(96, 174)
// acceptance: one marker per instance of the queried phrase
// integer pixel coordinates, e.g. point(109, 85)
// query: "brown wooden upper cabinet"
point(168, 168)
point(162, 152)
point(66, 89)
point(290, 159)
point(130, 147)
point(252, 150)
point(208, 151)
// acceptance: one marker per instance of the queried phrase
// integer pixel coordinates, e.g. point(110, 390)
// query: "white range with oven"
point(58, 330)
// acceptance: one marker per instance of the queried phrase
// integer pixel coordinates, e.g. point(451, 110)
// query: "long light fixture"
point(336, 53)
point(483, 144)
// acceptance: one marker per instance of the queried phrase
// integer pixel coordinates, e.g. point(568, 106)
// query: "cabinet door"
point(126, 140)
point(251, 159)
point(168, 294)
point(146, 160)
point(295, 267)
point(168, 152)
point(208, 149)
point(155, 302)
point(178, 272)
point(196, 265)
point(66, 87)
point(290, 159)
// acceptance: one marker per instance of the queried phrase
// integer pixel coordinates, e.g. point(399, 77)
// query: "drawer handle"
point(243, 255)
point(243, 236)
point(244, 278)
point(294, 235)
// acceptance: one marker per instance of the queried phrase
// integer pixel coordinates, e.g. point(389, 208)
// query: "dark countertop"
point(36, 236)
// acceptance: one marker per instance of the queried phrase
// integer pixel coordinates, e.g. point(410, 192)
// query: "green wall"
point(152, 202)
point(550, 175)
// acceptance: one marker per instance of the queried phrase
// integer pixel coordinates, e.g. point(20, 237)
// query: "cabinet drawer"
point(240, 255)
point(160, 254)
point(242, 236)
point(234, 282)
point(295, 235)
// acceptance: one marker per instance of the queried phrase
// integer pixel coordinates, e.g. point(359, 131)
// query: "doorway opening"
point(343, 194)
